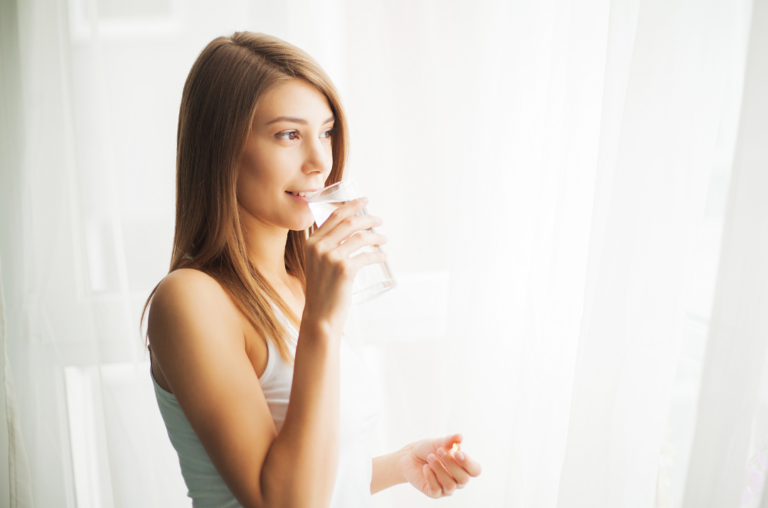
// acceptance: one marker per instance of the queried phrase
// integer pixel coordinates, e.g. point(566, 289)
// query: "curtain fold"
point(641, 251)
point(16, 469)
point(15, 478)
point(726, 429)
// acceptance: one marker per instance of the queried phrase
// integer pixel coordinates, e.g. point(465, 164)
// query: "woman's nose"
point(317, 156)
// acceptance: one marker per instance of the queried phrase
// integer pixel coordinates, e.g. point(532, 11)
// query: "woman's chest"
point(256, 345)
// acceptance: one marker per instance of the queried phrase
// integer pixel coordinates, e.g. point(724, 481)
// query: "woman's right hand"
point(328, 268)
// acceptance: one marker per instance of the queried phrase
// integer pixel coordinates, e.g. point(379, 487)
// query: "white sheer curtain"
point(573, 192)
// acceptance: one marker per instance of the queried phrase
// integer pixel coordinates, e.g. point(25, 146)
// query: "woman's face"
point(287, 152)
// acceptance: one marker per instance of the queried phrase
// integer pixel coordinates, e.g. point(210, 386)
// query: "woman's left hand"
point(429, 466)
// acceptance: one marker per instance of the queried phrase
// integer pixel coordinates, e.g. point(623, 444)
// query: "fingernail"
point(459, 455)
point(364, 200)
point(440, 452)
point(431, 458)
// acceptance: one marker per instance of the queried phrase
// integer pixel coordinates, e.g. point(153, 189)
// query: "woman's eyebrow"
point(296, 120)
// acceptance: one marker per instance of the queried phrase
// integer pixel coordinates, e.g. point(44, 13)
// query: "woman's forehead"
point(293, 99)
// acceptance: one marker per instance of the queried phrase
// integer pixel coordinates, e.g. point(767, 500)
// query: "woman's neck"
point(266, 249)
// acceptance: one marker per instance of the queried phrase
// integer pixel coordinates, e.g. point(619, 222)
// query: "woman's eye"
point(288, 135)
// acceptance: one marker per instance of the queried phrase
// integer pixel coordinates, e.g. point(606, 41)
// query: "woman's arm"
point(385, 472)
point(198, 340)
point(196, 335)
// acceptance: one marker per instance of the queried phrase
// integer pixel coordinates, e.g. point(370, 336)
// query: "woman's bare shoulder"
point(191, 298)
point(189, 279)
point(188, 285)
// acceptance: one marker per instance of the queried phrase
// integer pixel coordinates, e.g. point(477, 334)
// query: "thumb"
point(445, 442)
point(453, 438)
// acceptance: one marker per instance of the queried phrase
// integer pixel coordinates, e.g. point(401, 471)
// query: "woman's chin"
point(306, 225)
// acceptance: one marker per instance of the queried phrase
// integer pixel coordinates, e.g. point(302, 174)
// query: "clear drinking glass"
point(371, 280)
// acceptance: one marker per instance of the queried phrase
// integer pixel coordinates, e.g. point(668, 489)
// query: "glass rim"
point(334, 188)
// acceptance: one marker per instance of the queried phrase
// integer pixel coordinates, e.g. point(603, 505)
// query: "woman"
point(260, 124)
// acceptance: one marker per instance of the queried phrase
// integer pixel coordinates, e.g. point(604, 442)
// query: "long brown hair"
point(218, 104)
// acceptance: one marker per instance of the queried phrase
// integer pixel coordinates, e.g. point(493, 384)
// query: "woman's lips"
point(297, 198)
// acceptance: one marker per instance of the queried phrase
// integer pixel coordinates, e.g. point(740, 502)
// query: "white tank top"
point(360, 409)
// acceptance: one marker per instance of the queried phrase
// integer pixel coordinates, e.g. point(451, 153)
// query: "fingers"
point(456, 470)
point(345, 231)
point(358, 241)
point(365, 258)
point(348, 209)
point(447, 441)
point(447, 481)
point(471, 466)
point(434, 490)
point(351, 225)
point(459, 458)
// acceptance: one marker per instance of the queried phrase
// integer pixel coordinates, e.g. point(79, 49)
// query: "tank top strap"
point(271, 353)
